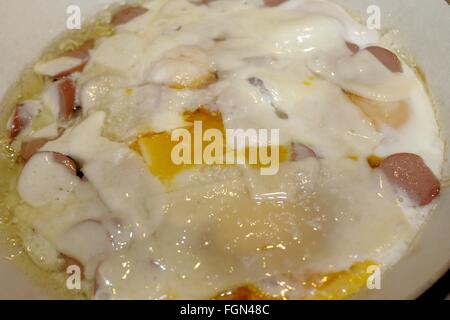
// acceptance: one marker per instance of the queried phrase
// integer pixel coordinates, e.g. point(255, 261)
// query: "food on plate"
point(92, 181)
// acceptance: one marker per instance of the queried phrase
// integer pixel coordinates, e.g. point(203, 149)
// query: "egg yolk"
point(248, 292)
point(340, 285)
point(374, 161)
point(332, 286)
point(156, 148)
point(196, 84)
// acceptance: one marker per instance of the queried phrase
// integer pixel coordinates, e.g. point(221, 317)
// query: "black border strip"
point(439, 291)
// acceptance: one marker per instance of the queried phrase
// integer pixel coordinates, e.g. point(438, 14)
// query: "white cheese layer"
point(286, 68)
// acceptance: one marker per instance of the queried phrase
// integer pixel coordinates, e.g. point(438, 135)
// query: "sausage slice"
point(67, 64)
point(127, 14)
point(409, 172)
point(29, 148)
point(273, 3)
point(352, 46)
point(70, 261)
point(387, 58)
point(82, 52)
point(22, 117)
point(66, 161)
point(66, 89)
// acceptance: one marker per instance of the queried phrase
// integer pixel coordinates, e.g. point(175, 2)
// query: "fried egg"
point(360, 154)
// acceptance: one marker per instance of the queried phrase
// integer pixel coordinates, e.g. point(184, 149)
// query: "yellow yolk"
point(331, 286)
point(340, 285)
point(248, 292)
point(374, 161)
point(196, 84)
point(156, 148)
point(210, 120)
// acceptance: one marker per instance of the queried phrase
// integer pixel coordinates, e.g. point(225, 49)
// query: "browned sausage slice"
point(409, 172)
point(24, 113)
point(81, 53)
point(273, 3)
point(29, 148)
point(68, 63)
point(352, 46)
point(127, 14)
point(66, 161)
point(69, 261)
point(62, 159)
point(387, 58)
point(70, 71)
point(21, 119)
point(66, 89)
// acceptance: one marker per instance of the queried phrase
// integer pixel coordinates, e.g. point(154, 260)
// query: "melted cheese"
point(217, 228)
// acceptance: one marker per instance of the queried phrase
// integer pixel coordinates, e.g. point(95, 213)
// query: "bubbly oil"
point(11, 246)
point(28, 86)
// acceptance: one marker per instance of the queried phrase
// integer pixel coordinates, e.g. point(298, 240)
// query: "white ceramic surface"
point(28, 25)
